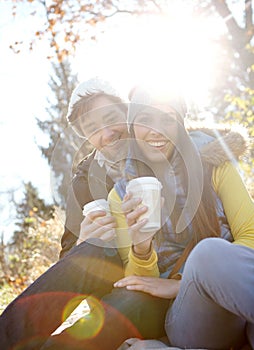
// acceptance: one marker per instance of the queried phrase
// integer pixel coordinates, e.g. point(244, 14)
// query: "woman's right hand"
point(97, 225)
point(133, 209)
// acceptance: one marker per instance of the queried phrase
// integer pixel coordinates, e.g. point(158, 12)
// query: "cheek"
point(171, 134)
point(122, 128)
point(139, 132)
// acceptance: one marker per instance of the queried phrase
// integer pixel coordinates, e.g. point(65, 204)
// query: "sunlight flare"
point(146, 50)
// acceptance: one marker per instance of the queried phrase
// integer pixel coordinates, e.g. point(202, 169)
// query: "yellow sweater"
point(237, 204)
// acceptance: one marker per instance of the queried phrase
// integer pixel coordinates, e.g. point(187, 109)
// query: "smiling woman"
point(156, 136)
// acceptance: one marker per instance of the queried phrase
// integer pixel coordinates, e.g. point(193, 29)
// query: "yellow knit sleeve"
point(140, 267)
point(237, 203)
point(123, 240)
point(133, 265)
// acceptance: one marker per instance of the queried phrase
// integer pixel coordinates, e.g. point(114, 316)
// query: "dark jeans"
point(88, 270)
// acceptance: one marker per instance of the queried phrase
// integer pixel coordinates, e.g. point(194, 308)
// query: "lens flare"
point(85, 323)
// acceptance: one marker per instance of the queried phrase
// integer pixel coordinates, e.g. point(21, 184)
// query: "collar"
point(110, 166)
point(101, 159)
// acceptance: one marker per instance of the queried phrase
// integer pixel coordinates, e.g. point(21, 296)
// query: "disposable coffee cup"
point(149, 189)
point(98, 204)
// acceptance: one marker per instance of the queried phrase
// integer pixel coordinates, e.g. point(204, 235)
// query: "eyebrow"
point(90, 124)
point(150, 113)
point(168, 114)
point(109, 114)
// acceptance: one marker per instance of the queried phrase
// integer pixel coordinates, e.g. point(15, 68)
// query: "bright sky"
point(169, 50)
point(146, 49)
point(23, 86)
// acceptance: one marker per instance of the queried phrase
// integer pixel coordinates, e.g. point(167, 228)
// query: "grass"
point(7, 295)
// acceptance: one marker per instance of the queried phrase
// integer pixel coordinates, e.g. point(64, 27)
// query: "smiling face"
point(155, 130)
point(104, 125)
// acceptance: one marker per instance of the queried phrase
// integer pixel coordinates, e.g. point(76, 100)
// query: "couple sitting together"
point(190, 283)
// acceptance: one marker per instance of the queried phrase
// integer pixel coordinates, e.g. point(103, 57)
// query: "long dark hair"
point(205, 222)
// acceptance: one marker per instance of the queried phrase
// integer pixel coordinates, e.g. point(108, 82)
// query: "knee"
point(207, 257)
point(209, 248)
point(128, 301)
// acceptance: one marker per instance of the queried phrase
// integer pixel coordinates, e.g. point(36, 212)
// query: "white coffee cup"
point(149, 189)
point(98, 204)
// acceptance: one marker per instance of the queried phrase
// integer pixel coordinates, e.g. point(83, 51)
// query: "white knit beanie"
point(93, 85)
point(141, 97)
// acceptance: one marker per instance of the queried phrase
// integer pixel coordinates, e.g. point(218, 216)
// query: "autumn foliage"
point(37, 249)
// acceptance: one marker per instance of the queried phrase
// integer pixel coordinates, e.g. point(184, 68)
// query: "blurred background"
point(47, 47)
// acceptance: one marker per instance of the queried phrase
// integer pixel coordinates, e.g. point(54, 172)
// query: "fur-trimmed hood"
point(220, 143)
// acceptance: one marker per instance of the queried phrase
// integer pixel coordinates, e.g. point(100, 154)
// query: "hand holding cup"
point(98, 222)
point(142, 207)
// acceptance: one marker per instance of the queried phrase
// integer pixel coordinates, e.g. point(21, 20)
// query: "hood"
point(223, 144)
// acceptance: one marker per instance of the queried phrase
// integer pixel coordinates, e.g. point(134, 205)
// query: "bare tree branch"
point(248, 17)
point(235, 31)
point(156, 5)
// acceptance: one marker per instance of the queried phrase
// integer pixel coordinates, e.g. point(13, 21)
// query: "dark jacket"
point(90, 182)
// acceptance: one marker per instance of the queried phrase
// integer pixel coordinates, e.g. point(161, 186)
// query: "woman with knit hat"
point(202, 258)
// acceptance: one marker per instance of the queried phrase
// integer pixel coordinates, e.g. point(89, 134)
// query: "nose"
point(155, 129)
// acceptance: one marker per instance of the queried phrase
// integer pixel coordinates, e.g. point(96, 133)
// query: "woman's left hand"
point(159, 287)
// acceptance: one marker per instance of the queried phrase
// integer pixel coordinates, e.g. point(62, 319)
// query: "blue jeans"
point(87, 270)
point(215, 305)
